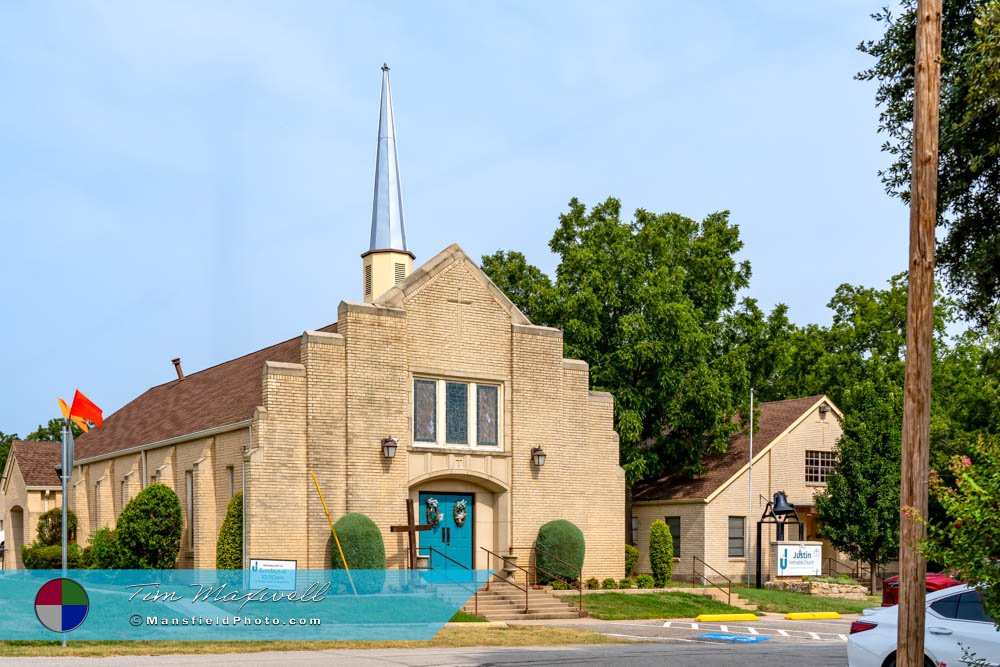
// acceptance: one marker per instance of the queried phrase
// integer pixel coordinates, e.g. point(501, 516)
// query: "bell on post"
point(781, 504)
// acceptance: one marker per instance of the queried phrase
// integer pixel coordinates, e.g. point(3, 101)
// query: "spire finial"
point(388, 232)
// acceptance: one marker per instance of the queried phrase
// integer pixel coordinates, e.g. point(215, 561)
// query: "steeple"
point(387, 261)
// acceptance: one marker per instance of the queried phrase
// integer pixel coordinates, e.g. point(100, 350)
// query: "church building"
point(432, 388)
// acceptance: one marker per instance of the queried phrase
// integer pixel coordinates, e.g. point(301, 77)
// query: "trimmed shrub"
point(362, 543)
point(661, 552)
point(102, 554)
point(38, 556)
point(149, 530)
point(559, 551)
point(559, 585)
point(645, 581)
point(631, 558)
point(626, 583)
point(593, 584)
point(229, 547)
point(609, 583)
point(50, 527)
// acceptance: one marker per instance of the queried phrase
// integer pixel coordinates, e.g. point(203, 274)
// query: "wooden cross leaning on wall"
point(411, 528)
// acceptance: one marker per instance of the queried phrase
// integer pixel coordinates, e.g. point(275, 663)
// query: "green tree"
point(661, 552)
point(6, 440)
point(644, 302)
point(229, 547)
point(859, 509)
point(52, 432)
point(49, 531)
point(149, 530)
point(969, 171)
point(967, 538)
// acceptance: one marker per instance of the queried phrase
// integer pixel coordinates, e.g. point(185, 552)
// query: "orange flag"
point(66, 413)
point(84, 408)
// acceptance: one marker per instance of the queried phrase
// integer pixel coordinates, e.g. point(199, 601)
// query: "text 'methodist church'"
point(437, 358)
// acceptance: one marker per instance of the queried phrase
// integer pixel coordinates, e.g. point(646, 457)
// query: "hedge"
point(362, 542)
point(102, 554)
point(631, 558)
point(37, 556)
point(661, 552)
point(229, 548)
point(50, 527)
point(559, 551)
point(149, 530)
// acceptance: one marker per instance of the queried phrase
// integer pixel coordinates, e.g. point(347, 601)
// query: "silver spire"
point(388, 232)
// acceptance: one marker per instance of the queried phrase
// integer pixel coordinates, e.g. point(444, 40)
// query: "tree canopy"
point(969, 170)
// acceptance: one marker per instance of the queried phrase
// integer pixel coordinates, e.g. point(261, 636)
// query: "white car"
point(957, 629)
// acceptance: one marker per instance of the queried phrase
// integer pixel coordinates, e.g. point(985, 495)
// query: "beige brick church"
point(439, 360)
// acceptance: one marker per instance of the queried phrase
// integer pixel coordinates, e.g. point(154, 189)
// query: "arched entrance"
point(13, 538)
point(468, 513)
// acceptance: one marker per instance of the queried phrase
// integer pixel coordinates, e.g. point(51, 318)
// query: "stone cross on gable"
point(461, 304)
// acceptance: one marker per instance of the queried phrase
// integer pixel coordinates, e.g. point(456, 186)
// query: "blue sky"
point(194, 179)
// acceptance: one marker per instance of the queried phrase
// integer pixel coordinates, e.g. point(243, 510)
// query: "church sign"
point(798, 559)
point(277, 575)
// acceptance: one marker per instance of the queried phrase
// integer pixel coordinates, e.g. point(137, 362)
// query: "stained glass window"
point(456, 403)
point(487, 403)
point(424, 411)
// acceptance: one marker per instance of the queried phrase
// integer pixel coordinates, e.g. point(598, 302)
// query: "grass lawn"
point(471, 635)
point(784, 602)
point(620, 606)
point(465, 617)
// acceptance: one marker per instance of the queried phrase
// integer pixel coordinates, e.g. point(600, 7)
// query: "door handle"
point(939, 631)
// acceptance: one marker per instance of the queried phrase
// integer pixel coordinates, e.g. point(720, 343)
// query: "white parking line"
point(792, 633)
point(724, 628)
point(843, 637)
point(752, 631)
point(667, 624)
point(782, 633)
point(814, 635)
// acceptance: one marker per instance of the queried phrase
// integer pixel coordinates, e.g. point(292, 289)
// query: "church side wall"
point(377, 407)
point(324, 356)
point(551, 408)
point(692, 516)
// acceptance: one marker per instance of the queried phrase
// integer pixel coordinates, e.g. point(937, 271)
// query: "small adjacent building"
point(713, 516)
point(29, 487)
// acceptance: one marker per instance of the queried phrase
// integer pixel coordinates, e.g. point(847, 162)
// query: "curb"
point(482, 624)
point(811, 615)
point(724, 618)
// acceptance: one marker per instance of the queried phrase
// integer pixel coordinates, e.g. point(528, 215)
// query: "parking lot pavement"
point(769, 629)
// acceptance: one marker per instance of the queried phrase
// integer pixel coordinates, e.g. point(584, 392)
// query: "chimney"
point(177, 367)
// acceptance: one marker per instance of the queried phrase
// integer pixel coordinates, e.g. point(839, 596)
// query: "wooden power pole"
point(919, 333)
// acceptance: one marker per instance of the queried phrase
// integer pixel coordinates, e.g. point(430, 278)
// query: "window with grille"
point(674, 524)
point(635, 530)
point(368, 280)
point(469, 411)
point(400, 273)
point(231, 474)
point(819, 465)
point(736, 536)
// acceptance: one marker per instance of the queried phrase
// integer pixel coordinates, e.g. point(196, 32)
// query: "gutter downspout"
point(243, 474)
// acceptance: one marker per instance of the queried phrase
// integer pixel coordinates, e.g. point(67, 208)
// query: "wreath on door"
point(461, 508)
point(433, 512)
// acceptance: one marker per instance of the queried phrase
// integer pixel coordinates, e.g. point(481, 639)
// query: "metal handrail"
point(834, 563)
point(579, 572)
point(527, 586)
point(430, 563)
point(729, 582)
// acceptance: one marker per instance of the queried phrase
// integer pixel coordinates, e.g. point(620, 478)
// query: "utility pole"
point(919, 333)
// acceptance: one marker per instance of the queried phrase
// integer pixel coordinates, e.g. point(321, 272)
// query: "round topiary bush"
point(229, 548)
point(149, 530)
point(644, 581)
point(661, 552)
point(559, 551)
point(362, 542)
point(49, 530)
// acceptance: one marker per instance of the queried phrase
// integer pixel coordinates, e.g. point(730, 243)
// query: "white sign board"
point(276, 575)
point(798, 559)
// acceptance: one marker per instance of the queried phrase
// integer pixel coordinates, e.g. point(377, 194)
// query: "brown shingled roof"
point(775, 417)
point(224, 394)
point(37, 461)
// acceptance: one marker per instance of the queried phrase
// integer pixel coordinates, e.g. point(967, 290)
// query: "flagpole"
point(750, 492)
point(66, 454)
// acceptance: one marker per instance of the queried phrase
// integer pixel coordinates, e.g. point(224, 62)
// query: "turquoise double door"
point(452, 534)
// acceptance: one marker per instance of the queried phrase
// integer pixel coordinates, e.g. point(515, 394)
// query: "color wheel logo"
point(61, 605)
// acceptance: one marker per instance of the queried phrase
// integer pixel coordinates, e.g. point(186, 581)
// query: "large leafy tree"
point(52, 432)
point(647, 302)
point(6, 440)
point(969, 172)
point(859, 509)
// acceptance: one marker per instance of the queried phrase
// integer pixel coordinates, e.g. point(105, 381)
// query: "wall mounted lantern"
point(389, 447)
point(538, 456)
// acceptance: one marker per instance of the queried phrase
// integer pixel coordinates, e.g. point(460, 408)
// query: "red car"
point(935, 582)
